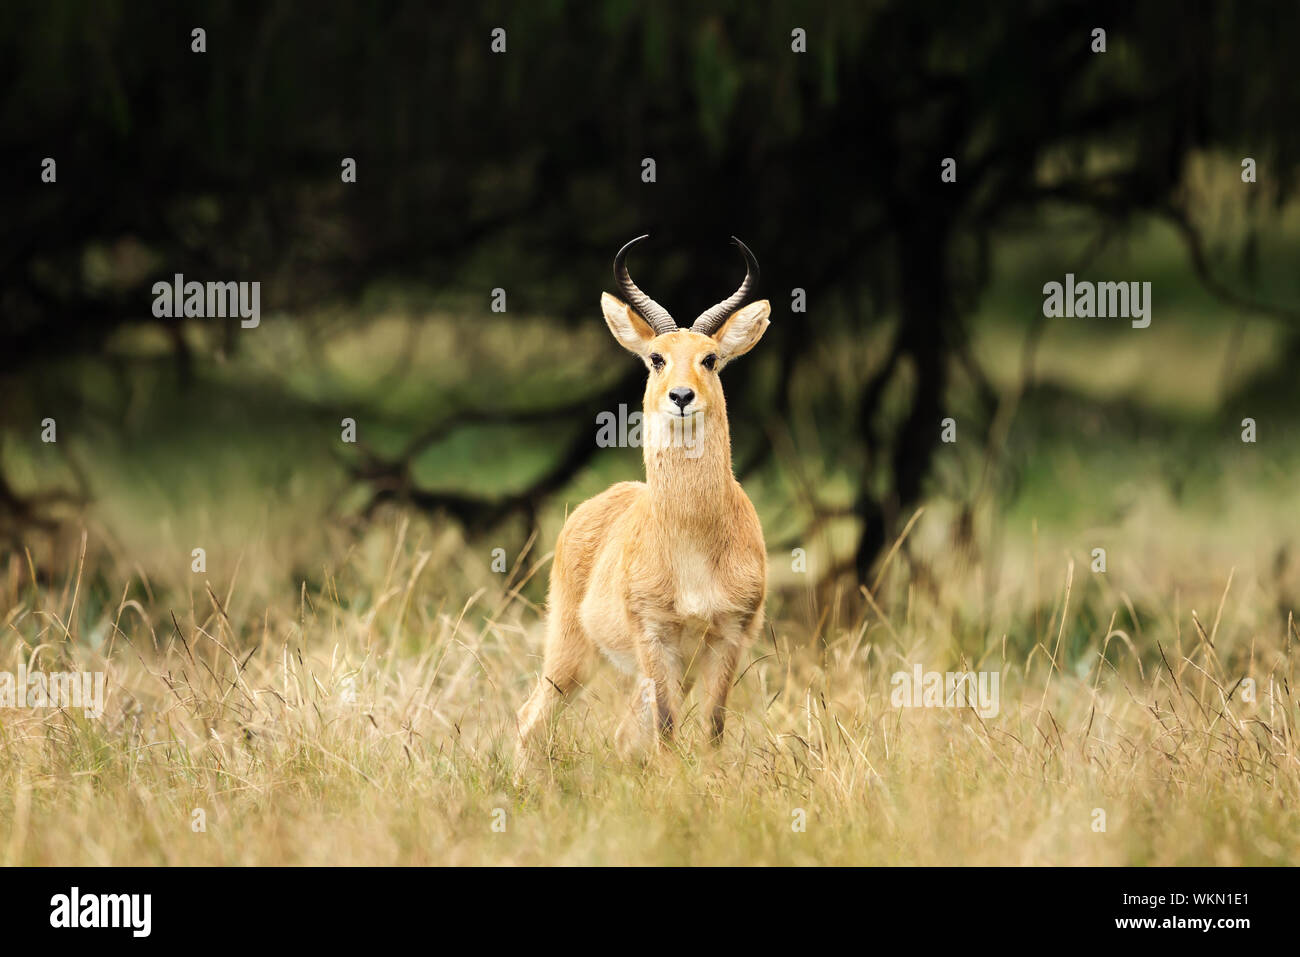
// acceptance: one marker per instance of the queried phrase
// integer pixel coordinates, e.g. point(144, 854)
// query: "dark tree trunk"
point(925, 311)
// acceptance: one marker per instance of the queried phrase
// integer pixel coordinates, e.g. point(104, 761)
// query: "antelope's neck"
point(688, 473)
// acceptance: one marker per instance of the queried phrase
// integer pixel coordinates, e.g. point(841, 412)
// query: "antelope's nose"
point(682, 397)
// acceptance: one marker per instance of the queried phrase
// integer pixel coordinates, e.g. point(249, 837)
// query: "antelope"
point(666, 578)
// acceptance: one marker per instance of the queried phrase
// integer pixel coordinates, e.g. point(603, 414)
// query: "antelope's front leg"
point(723, 656)
point(656, 699)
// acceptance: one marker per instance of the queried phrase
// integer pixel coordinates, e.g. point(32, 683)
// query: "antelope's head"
point(683, 383)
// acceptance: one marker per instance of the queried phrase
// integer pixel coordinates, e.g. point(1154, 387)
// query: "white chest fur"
point(698, 593)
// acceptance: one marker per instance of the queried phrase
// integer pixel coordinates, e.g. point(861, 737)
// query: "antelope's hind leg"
point(566, 663)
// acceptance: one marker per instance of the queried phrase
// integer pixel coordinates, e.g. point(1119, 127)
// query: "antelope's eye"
point(657, 361)
point(709, 361)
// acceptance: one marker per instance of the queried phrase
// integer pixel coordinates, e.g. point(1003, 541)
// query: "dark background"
point(522, 171)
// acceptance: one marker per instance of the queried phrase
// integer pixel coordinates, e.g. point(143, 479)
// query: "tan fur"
point(665, 577)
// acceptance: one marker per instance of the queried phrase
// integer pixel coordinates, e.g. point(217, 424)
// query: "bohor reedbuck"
point(666, 578)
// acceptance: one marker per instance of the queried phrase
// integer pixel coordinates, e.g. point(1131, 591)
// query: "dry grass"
point(367, 719)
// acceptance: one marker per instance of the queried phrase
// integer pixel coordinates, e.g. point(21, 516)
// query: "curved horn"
point(711, 319)
point(653, 313)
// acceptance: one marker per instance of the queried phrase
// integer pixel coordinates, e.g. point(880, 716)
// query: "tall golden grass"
point(368, 719)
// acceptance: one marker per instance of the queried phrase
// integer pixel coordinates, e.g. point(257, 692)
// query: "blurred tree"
point(827, 163)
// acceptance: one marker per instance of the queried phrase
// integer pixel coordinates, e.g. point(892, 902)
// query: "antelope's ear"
point(742, 330)
point(632, 332)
